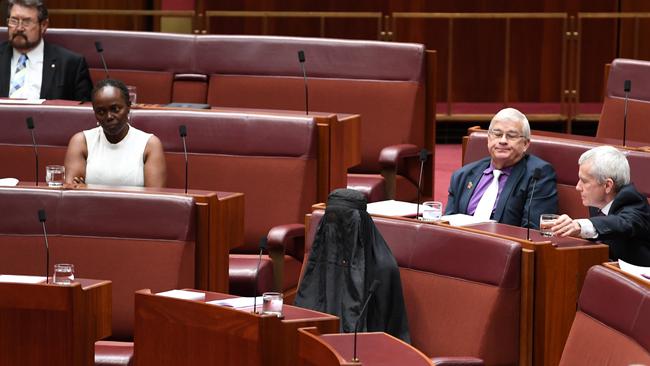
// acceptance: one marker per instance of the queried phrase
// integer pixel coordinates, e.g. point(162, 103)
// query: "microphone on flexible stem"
point(537, 173)
point(30, 127)
point(301, 58)
point(424, 153)
point(263, 242)
point(371, 291)
point(627, 87)
point(100, 50)
point(182, 130)
point(42, 217)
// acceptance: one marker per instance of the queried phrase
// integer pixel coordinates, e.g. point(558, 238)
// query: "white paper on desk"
point(463, 220)
point(636, 271)
point(8, 182)
point(237, 302)
point(21, 101)
point(393, 208)
point(182, 294)
point(21, 279)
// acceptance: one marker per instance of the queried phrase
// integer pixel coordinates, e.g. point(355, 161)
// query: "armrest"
point(457, 361)
point(290, 239)
point(390, 157)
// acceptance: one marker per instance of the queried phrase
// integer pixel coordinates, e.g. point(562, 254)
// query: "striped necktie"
point(18, 80)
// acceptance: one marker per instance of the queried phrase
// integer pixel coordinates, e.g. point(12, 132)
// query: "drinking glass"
point(432, 211)
point(63, 274)
point(55, 175)
point(133, 94)
point(546, 222)
point(272, 303)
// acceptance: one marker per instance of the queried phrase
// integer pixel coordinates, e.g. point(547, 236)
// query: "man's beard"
point(26, 44)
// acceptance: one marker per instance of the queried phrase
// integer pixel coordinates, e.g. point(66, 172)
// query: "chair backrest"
point(611, 325)
point(136, 240)
point(563, 154)
point(610, 124)
point(462, 289)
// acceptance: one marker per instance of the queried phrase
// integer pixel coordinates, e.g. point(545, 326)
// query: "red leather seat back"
point(611, 325)
point(136, 240)
point(610, 124)
point(462, 290)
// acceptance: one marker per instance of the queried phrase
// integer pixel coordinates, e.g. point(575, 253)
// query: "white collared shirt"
point(34, 75)
point(587, 229)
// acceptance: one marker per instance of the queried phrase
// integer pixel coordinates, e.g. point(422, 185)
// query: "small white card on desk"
point(182, 294)
point(463, 220)
point(637, 271)
point(238, 302)
point(21, 279)
point(8, 182)
point(21, 101)
point(393, 208)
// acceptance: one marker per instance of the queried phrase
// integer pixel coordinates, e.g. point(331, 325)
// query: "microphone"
point(100, 50)
point(301, 58)
point(371, 291)
point(263, 242)
point(182, 130)
point(537, 173)
point(627, 87)
point(42, 217)
point(424, 154)
point(30, 127)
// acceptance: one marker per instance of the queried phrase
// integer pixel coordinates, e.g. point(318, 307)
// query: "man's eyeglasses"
point(15, 22)
point(498, 134)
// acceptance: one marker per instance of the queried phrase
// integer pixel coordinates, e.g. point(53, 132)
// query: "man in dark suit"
point(32, 68)
point(619, 214)
point(498, 187)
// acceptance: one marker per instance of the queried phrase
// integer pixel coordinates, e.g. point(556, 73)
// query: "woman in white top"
point(114, 153)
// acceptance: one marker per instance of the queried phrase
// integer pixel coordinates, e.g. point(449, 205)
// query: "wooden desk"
point(170, 331)
point(373, 349)
point(45, 324)
point(561, 265)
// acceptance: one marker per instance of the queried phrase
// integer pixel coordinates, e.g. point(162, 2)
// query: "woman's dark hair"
point(114, 83)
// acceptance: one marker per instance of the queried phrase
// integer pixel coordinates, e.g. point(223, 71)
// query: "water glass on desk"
point(431, 211)
point(272, 303)
point(63, 274)
point(133, 94)
point(55, 175)
point(546, 222)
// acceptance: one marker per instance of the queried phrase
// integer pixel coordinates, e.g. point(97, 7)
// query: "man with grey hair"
point(31, 68)
point(619, 214)
point(499, 187)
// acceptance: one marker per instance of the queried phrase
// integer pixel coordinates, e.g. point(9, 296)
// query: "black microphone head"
point(424, 154)
point(263, 242)
point(41, 215)
point(373, 286)
point(301, 56)
point(30, 123)
point(182, 130)
point(537, 173)
point(627, 86)
point(98, 46)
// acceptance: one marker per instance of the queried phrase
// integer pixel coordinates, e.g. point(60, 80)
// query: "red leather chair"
point(611, 326)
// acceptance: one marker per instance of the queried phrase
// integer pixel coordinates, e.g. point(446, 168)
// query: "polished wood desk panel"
point(46, 324)
point(170, 331)
point(373, 349)
point(561, 265)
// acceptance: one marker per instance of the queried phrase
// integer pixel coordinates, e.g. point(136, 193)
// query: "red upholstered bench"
point(611, 324)
point(462, 290)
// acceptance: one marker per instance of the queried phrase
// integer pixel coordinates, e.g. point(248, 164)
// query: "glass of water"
point(546, 222)
point(63, 274)
point(432, 211)
point(133, 94)
point(272, 303)
point(55, 175)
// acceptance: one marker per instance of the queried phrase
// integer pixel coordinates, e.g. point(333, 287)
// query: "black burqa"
point(347, 255)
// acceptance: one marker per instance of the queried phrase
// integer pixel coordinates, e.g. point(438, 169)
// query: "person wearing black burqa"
point(347, 255)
